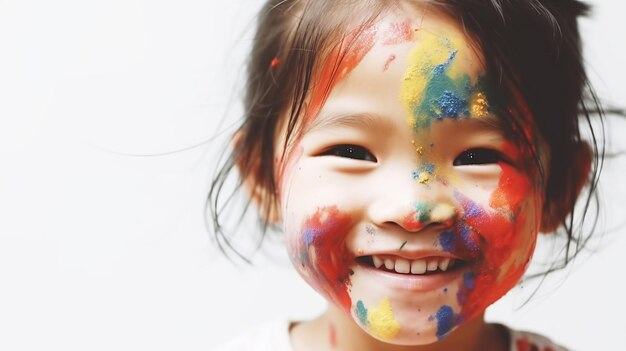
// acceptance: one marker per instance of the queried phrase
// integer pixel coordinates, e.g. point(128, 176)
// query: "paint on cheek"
point(445, 321)
point(322, 256)
point(512, 190)
point(379, 320)
point(493, 240)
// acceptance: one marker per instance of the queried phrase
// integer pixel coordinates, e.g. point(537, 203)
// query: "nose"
point(414, 206)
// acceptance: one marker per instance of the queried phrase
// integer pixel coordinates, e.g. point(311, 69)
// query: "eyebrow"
point(362, 120)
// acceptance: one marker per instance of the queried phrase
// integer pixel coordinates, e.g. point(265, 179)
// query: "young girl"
point(412, 151)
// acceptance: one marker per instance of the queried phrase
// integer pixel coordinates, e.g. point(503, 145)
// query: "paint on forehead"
point(321, 254)
point(400, 32)
point(341, 61)
point(390, 59)
point(435, 87)
point(349, 53)
point(378, 320)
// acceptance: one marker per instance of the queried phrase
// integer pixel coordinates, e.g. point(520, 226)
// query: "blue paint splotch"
point(447, 240)
point(445, 321)
point(469, 282)
point(361, 312)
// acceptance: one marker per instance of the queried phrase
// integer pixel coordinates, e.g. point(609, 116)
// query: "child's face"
point(404, 202)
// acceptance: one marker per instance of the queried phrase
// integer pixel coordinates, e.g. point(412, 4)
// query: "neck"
point(335, 331)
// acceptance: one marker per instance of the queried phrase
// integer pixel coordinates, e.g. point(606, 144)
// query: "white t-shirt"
point(274, 336)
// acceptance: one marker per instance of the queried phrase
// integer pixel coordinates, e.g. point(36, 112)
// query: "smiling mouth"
point(422, 266)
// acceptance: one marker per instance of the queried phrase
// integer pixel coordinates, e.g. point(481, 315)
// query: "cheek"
point(499, 239)
point(318, 251)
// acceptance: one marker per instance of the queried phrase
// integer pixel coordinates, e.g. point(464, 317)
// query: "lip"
point(413, 255)
point(413, 282)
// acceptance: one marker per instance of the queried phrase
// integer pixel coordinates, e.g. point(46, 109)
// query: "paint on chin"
point(379, 320)
point(321, 255)
point(446, 321)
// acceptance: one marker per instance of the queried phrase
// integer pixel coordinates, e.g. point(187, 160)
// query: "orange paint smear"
point(342, 60)
point(399, 32)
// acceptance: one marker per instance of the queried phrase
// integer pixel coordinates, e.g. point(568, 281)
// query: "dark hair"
point(532, 46)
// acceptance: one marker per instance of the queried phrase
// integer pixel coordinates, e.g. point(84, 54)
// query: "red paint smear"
point(330, 266)
point(399, 32)
point(342, 60)
point(332, 335)
point(498, 235)
point(388, 62)
point(410, 223)
point(512, 189)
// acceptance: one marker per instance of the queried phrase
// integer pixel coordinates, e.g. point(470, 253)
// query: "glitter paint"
point(322, 255)
point(434, 89)
point(445, 321)
point(381, 321)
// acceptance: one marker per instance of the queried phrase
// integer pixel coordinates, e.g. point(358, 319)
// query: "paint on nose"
point(426, 213)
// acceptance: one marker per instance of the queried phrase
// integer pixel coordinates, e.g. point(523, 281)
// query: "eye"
point(350, 151)
point(479, 156)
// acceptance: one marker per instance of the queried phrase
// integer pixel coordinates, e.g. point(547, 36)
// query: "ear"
point(248, 167)
point(575, 178)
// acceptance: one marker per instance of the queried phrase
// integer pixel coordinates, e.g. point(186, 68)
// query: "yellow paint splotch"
point(381, 321)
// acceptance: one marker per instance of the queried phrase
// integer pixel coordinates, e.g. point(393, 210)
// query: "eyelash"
point(479, 156)
point(350, 151)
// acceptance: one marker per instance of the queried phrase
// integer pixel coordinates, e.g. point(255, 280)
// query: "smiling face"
point(404, 201)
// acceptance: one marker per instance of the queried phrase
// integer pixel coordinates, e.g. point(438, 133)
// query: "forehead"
point(395, 56)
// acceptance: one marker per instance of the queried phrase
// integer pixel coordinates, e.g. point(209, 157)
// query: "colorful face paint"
point(414, 245)
point(435, 88)
point(322, 257)
point(378, 320)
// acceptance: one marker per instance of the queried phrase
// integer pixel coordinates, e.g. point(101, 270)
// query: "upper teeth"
point(421, 266)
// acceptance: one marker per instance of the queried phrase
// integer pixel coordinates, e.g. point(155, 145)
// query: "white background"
point(103, 250)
